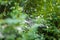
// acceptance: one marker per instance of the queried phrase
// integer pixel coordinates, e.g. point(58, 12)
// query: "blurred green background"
point(29, 19)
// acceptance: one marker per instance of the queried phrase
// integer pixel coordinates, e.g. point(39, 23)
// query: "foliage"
point(29, 19)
